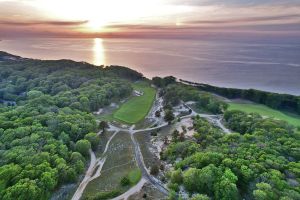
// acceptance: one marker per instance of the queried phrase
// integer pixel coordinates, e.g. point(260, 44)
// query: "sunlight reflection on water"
point(99, 56)
point(264, 65)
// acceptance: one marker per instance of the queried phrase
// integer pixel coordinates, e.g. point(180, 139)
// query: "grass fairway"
point(266, 111)
point(137, 107)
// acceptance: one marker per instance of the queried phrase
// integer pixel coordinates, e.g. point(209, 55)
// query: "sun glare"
point(96, 25)
point(102, 13)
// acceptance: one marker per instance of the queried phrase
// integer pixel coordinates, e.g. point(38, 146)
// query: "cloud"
point(248, 19)
point(52, 23)
point(235, 3)
point(20, 18)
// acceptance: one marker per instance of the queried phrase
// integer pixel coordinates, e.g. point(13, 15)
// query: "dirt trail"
point(98, 163)
point(214, 119)
point(135, 189)
point(145, 173)
point(94, 170)
point(86, 178)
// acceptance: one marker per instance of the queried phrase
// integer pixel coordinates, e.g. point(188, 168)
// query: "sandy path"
point(131, 191)
point(94, 170)
point(215, 119)
point(98, 163)
point(219, 123)
point(145, 173)
point(86, 178)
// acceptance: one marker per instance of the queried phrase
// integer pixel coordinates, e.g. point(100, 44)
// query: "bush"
point(157, 113)
point(176, 176)
point(173, 186)
point(125, 181)
point(169, 117)
point(154, 133)
point(134, 176)
point(200, 197)
point(172, 195)
point(154, 170)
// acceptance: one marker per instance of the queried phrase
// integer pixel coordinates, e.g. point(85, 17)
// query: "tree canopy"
point(45, 135)
point(260, 161)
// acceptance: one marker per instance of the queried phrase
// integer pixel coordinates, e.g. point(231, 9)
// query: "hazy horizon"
point(149, 19)
point(234, 43)
point(228, 63)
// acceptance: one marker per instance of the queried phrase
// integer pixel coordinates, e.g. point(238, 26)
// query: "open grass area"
point(137, 107)
point(292, 119)
point(120, 162)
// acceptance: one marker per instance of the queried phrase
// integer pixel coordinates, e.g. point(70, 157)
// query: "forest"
point(46, 128)
point(274, 100)
point(174, 92)
point(259, 160)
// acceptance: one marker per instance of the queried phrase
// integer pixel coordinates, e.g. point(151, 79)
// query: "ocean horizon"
point(266, 65)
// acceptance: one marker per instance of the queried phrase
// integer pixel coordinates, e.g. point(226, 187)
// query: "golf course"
point(292, 119)
point(137, 107)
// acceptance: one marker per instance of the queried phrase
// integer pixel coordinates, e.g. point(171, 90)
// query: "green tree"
point(175, 135)
point(83, 147)
point(24, 189)
point(169, 116)
point(49, 180)
point(103, 125)
point(34, 94)
point(93, 138)
point(176, 176)
point(85, 103)
point(263, 192)
point(226, 188)
point(200, 197)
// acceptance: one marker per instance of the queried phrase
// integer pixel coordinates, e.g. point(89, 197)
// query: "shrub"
point(154, 133)
point(125, 181)
point(154, 170)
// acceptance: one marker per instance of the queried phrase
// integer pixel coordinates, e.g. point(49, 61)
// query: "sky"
point(149, 18)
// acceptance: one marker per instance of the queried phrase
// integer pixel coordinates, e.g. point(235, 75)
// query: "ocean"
point(271, 66)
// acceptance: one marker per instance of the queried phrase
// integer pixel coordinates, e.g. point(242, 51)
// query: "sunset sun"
point(95, 25)
point(99, 14)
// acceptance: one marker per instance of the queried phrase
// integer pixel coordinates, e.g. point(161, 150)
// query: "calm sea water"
point(271, 66)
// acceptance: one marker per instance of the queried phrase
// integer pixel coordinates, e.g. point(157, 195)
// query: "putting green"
point(137, 107)
point(266, 111)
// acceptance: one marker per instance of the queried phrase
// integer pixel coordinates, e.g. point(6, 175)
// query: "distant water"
point(271, 66)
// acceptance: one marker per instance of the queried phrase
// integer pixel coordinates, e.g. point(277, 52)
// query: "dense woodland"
point(47, 129)
point(260, 160)
point(274, 100)
point(261, 163)
point(46, 136)
point(174, 92)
